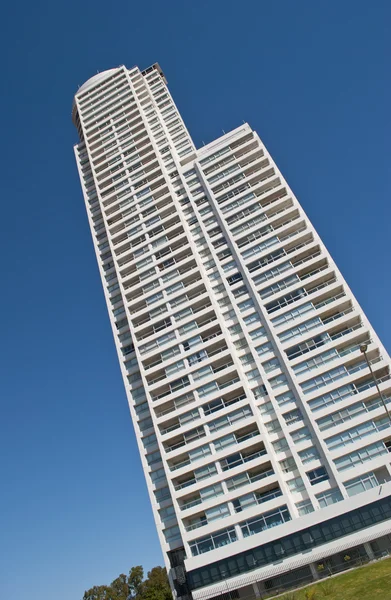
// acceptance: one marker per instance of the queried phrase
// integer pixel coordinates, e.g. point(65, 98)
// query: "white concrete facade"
point(255, 413)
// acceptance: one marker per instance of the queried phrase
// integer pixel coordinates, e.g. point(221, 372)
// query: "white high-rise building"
point(264, 440)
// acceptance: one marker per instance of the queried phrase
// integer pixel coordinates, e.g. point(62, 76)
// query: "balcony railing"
point(243, 460)
point(251, 479)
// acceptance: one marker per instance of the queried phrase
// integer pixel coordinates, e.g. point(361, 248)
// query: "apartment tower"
point(263, 437)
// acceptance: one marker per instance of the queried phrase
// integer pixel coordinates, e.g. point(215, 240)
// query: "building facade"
point(262, 435)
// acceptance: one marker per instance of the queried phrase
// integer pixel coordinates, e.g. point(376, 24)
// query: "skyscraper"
point(262, 435)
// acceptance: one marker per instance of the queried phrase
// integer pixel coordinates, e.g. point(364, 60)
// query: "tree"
point(135, 581)
point(119, 589)
point(98, 592)
point(156, 586)
point(134, 586)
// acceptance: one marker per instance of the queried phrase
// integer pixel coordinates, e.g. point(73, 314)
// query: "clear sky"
point(312, 78)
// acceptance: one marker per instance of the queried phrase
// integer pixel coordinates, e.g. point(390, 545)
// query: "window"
point(167, 513)
point(179, 384)
point(199, 452)
point(197, 357)
point(274, 272)
point(264, 348)
point(346, 414)
point(158, 475)
point(234, 278)
point(265, 521)
point(273, 426)
point(193, 341)
point(301, 435)
point(188, 417)
point(278, 381)
point(280, 285)
point(212, 491)
point(215, 540)
point(257, 333)
point(315, 342)
point(308, 455)
point(260, 391)
point(293, 416)
point(304, 507)
point(361, 484)
point(242, 306)
point(357, 433)
point(285, 398)
point(271, 364)
point(154, 457)
point(174, 367)
point(296, 484)
point(317, 475)
point(202, 373)
point(329, 497)
point(253, 318)
point(253, 374)
point(332, 397)
point(225, 442)
point(288, 464)
point(162, 494)
point(254, 498)
point(280, 445)
point(209, 388)
point(217, 512)
point(315, 362)
point(360, 456)
point(172, 533)
point(324, 379)
point(300, 329)
point(230, 419)
point(205, 472)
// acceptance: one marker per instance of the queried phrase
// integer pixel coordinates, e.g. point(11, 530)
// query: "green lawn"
point(372, 582)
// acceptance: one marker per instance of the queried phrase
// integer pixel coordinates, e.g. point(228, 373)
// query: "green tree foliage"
point(156, 586)
point(134, 586)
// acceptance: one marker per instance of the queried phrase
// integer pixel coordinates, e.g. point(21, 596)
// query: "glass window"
point(296, 484)
point(257, 333)
point(308, 455)
point(300, 435)
point(304, 507)
point(199, 452)
point(361, 484)
point(267, 347)
point(300, 329)
point(242, 306)
point(348, 461)
point(265, 521)
point(280, 445)
point(285, 398)
point(205, 472)
point(329, 497)
point(317, 475)
point(324, 379)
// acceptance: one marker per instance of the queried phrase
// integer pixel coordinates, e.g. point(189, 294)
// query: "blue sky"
point(312, 78)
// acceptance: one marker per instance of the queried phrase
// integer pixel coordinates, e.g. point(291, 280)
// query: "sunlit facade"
point(263, 439)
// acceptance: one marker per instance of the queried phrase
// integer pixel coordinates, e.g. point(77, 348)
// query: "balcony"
point(240, 458)
point(218, 385)
point(255, 498)
point(299, 293)
point(322, 339)
point(223, 402)
point(250, 476)
point(183, 440)
point(175, 405)
point(171, 388)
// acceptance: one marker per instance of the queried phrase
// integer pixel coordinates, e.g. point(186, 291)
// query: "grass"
point(372, 582)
